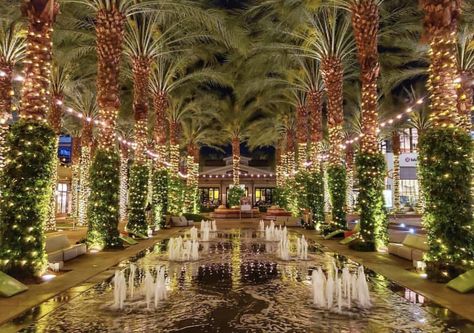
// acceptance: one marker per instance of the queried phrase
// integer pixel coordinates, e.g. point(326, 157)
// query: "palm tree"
point(330, 40)
point(396, 169)
point(446, 183)
point(12, 51)
point(84, 101)
point(75, 133)
point(22, 249)
point(60, 85)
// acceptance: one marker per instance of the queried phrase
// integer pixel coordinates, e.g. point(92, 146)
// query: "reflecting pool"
point(237, 285)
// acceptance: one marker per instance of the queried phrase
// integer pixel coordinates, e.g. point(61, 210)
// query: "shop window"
point(62, 198)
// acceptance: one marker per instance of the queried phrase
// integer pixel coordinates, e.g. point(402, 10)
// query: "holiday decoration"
point(234, 195)
point(337, 193)
point(138, 186)
point(160, 196)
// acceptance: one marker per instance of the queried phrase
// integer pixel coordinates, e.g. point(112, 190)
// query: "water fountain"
point(150, 289)
point(302, 248)
point(275, 234)
point(193, 233)
point(160, 286)
point(180, 250)
point(283, 251)
point(344, 291)
point(120, 290)
point(261, 226)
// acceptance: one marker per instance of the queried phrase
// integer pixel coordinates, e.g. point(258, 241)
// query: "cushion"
point(128, 240)
point(463, 283)
point(393, 248)
point(55, 256)
point(417, 255)
point(349, 239)
point(56, 243)
point(405, 252)
point(70, 253)
point(177, 222)
point(183, 219)
point(81, 249)
point(416, 242)
point(334, 233)
point(9, 286)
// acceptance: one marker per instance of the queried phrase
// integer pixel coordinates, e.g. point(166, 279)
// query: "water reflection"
point(239, 285)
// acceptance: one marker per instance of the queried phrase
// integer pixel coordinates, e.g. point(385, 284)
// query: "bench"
point(412, 248)
point(58, 248)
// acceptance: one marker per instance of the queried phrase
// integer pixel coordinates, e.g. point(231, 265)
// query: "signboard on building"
point(408, 159)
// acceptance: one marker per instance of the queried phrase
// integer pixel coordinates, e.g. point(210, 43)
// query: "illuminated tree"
point(445, 150)
point(26, 180)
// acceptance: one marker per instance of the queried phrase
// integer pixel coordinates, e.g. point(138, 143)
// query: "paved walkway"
point(95, 267)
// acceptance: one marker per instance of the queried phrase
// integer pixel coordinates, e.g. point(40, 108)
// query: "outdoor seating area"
point(59, 249)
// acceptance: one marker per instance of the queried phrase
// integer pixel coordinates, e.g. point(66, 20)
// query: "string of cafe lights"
point(258, 175)
point(388, 122)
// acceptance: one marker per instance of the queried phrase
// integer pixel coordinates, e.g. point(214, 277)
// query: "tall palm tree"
point(84, 101)
point(446, 183)
point(60, 85)
point(330, 40)
point(22, 248)
point(12, 51)
point(396, 169)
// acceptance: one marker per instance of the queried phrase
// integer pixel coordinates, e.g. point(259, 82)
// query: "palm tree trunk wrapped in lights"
point(174, 147)
point(290, 154)
point(138, 183)
point(333, 72)
point(279, 176)
point(370, 162)
point(192, 192)
point(302, 136)
point(350, 179)
point(85, 164)
point(236, 160)
point(465, 99)
point(316, 125)
point(396, 170)
point(445, 150)
point(123, 182)
point(26, 180)
point(75, 175)
point(103, 211)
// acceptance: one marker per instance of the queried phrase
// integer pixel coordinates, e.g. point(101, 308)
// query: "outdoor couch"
point(412, 248)
point(181, 221)
point(59, 248)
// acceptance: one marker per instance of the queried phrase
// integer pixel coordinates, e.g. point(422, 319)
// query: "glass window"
point(62, 198)
point(263, 195)
point(210, 196)
point(408, 140)
point(408, 193)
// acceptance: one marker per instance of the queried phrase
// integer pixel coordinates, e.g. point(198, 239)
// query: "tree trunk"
point(315, 103)
point(302, 135)
point(290, 153)
point(332, 71)
point(440, 23)
point(396, 170)
point(109, 31)
point(174, 146)
point(141, 81)
point(36, 99)
point(465, 102)
point(160, 103)
point(350, 179)
point(6, 90)
point(365, 21)
point(75, 180)
point(56, 113)
point(236, 160)
point(123, 184)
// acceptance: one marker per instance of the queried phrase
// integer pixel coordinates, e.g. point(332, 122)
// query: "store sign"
point(408, 159)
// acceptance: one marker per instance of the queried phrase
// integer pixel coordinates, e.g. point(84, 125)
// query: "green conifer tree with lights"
point(138, 189)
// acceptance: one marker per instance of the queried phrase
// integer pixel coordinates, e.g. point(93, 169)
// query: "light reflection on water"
point(239, 285)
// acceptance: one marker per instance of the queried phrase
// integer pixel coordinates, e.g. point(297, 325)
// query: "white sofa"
point(59, 248)
point(412, 248)
point(181, 221)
